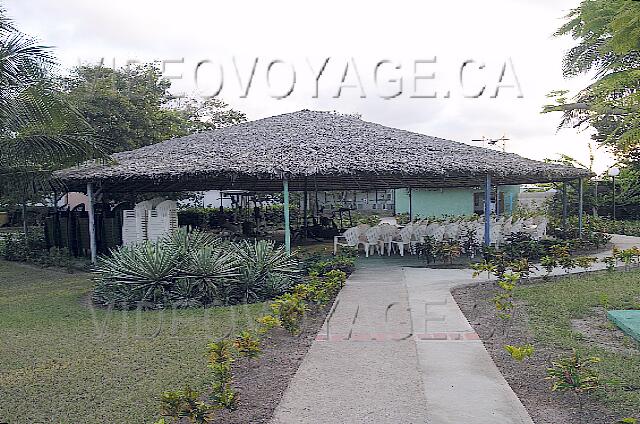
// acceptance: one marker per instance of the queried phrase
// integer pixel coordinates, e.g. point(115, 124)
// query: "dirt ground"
point(527, 378)
point(261, 382)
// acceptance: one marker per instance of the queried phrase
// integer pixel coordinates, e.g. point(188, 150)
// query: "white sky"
point(296, 32)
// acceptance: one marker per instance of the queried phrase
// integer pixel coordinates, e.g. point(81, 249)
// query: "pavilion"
point(330, 150)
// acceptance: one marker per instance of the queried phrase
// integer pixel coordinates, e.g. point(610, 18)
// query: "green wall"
point(448, 201)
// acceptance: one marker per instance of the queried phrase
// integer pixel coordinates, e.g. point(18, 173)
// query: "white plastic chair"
point(351, 237)
point(388, 220)
point(403, 239)
point(362, 229)
point(451, 231)
point(438, 233)
point(431, 228)
point(517, 226)
point(371, 240)
point(479, 227)
point(506, 228)
point(497, 237)
point(420, 232)
point(387, 233)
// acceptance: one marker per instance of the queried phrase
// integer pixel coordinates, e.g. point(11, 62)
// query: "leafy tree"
point(608, 36)
point(205, 114)
point(132, 106)
point(39, 130)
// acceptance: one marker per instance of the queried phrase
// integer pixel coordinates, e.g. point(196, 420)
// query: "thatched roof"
point(330, 151)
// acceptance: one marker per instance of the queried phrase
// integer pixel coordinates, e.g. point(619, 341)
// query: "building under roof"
point(328, 150)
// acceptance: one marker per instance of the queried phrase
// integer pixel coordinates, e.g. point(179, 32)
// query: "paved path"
point(397, 349)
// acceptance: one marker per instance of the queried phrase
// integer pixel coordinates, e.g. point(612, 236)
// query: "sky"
point(420, 66)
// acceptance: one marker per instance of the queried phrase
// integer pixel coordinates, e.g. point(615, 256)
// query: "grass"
point(62, 361)
point(551, 307)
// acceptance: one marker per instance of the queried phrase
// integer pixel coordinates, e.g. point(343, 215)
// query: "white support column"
point(92, 224)
point(287, 225)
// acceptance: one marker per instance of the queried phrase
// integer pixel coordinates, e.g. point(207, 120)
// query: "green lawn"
point(61, 361)
point(551, 307)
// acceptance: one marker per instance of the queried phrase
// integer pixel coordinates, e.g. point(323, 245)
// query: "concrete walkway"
point(397, 349)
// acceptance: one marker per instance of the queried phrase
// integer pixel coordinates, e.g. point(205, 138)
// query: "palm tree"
point(39, 130)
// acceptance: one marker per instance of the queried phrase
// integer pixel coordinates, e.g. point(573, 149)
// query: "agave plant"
point(143, 272)
point(262, 263)
point(185, 242)
point(209, 270)
point(192, 269)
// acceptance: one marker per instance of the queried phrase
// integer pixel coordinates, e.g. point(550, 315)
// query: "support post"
point(304, 208)
point(595, 198)
point(287, 226)
point(613, 178)
point(92, 224)
point(564, 205)
point(510, 203)
point(580, 207)
point(487, 210)
point(410, 205)
point(393, 199)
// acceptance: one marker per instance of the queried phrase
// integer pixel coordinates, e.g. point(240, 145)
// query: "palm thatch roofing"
point(327, 150)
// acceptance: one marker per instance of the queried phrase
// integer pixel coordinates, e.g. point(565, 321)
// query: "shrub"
point(220, 351)
point(519, 353)
point(548, 263)
point(220, 359)
point(503, 301)
point(371, 220)
point(521, 245)
point(627, 256)
point(267, 323)
point(185, 404)
point(222, 392)
point(17, 247)
point(289, 309)
point(321, 264)
point(522, 266)
point(483, 266)
point(498, 258)
point(320, 290)
point(247, 345)
point(610, 262)
point(447, 250)
point(574, 374)
point(585, 262)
